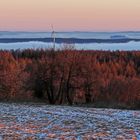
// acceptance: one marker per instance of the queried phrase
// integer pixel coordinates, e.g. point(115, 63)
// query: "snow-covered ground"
point(36, 121)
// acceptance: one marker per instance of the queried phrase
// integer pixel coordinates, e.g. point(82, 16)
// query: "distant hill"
point(118, 37)
point(115, 39)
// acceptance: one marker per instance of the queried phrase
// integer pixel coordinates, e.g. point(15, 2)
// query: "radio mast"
point(53, 36)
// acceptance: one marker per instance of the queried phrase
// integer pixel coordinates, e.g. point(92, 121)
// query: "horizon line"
point(59, 31)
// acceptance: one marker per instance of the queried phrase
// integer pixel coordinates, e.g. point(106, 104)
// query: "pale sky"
point(70, 15)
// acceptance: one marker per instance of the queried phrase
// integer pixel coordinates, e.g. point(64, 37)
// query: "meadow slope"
point(40, 121)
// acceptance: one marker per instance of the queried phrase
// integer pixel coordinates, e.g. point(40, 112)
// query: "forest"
point(70, 76)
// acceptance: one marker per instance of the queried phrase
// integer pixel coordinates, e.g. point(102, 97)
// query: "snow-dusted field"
point(45, 122)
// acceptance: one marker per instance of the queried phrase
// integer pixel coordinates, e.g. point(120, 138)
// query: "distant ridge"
point(67, 40)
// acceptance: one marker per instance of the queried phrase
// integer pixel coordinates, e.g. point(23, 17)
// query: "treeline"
point(71, 76)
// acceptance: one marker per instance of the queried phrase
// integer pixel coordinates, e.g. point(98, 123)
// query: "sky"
point(70, 15)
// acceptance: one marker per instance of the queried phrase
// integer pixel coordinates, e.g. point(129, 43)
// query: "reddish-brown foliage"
point(71, 76)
